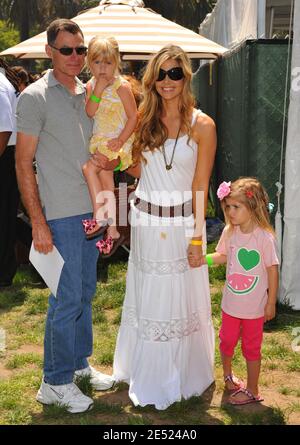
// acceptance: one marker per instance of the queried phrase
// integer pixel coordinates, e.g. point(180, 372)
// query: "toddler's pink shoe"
point(93, 227)
point(109, 245)
point(105, 245)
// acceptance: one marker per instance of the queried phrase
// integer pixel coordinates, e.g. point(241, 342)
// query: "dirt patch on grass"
point(279, 390)
point(5, 373)
point(30, 349)
point(215, 397)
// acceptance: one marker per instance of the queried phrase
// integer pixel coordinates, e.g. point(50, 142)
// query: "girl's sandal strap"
point(234, 381)
point(250, 397)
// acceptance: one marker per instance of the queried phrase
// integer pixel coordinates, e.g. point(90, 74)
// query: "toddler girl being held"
point(247, 245)
point(111, 103)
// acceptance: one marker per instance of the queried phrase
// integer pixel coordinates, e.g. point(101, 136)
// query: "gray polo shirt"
point(48, 110)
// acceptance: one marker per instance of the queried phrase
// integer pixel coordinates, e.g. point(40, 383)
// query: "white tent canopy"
point(290, 280)
point(233, 21)
point(139, 32)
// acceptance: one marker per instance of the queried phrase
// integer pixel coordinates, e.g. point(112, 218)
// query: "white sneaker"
point(68, 395)
point(99, 381)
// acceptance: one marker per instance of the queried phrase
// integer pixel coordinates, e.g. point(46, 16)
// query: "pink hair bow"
point(224, 190)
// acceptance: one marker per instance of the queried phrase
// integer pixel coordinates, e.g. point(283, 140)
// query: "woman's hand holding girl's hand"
point(270, 311)
point(195, 255)
point(203, 260)
point(115, 144)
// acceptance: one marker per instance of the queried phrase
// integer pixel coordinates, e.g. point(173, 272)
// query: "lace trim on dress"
point(163, 331)
point(161, 267)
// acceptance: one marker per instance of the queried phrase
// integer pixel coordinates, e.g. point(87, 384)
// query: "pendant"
point(168, 167)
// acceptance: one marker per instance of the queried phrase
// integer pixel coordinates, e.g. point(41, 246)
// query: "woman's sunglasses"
point(174, 74)
point(67, 51)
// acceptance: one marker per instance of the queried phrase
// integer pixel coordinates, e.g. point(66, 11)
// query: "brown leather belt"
point(185, 209)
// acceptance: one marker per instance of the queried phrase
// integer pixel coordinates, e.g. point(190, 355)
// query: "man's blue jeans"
point(68, 335)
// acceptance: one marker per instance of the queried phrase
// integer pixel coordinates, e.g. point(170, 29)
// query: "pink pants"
point(250, 331)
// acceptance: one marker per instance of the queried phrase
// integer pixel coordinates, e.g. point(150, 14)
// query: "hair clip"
point(249, 194)
point(224, 190)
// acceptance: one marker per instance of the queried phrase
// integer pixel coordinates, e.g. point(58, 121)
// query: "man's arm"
point(4, 138)
point(25, 152)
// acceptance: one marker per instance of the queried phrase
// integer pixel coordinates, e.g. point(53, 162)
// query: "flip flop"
point(89, 224)
point(238, 384)
point(114, 243)
point(251, 398)
point(105, 245)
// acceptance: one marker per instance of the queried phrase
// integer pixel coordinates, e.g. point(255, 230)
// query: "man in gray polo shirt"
point(54, 128)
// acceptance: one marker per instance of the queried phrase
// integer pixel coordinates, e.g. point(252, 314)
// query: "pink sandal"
point(105, 245)
point(237, 383)
point(90, 224)
point(250, 397)
point(109, 245)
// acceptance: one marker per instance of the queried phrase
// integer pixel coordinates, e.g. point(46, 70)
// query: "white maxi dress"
point(165, 344)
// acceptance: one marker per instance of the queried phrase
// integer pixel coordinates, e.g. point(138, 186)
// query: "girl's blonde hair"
point(151, 133)
point(106, 48)
point(251, 193)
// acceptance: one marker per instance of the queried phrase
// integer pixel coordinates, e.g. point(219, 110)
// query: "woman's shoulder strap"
point(196, 113)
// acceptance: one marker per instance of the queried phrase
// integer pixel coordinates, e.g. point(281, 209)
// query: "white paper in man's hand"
point(49, 266)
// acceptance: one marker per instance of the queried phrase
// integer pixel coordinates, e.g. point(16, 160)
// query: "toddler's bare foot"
point(113, 232)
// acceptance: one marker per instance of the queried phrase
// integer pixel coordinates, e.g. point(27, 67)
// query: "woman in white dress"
point(165, 345)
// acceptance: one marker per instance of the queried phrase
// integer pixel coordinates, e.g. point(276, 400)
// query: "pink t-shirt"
point(248, 256)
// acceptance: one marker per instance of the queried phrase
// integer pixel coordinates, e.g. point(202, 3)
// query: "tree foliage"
point(19, 16)
point(8, 36)
point(188, 13)
point(37, 14)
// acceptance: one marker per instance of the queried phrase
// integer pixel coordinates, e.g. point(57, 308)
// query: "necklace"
point(169, 166)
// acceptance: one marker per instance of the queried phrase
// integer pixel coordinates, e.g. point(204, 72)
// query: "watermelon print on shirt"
point(248, 257)
point(240, 283)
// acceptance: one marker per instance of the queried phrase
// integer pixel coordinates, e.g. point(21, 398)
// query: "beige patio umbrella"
point(139, 32)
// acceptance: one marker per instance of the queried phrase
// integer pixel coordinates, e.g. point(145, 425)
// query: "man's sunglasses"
point(174, 74)
point(67, 51)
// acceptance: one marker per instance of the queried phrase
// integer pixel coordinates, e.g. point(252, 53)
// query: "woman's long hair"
point(151, 133)
point(10, 75)
point(251, 193)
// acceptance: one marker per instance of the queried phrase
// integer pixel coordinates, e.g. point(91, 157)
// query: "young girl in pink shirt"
point(247, 245)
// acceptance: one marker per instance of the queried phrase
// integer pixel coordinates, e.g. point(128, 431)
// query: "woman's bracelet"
point(95, 99)
point(209, 259)
point(195, 242)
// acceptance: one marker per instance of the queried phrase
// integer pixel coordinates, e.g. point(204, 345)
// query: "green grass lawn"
point(22, 316)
